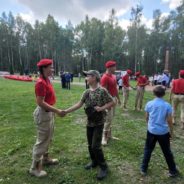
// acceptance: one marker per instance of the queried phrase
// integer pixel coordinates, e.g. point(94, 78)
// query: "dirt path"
point(150, 88)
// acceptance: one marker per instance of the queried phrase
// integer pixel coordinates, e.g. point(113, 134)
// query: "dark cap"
point(93, 73)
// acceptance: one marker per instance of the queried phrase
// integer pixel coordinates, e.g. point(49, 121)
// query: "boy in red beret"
point(109, 82)
point(141, 83)
point(125, 89)
point(177, 95)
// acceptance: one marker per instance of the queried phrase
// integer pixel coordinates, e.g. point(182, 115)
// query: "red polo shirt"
point(44, 88)
point(108, 81)
point(141, 81)
point(178, 86)
point(125, 79)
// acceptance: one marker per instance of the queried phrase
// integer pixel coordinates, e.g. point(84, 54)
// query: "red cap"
point(181, 72)
point(44, 62)
point(109, 64)
point(137, 73)
point(129, 72)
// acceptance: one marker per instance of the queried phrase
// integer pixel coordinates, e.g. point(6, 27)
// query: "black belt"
point(47, 111)
point(179, 93)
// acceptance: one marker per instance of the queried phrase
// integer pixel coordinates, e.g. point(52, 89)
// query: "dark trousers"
point(155, 82)
point(94, 138)
point(63, 84)
point(164, 142)
point(67, 85)
point(164, 83)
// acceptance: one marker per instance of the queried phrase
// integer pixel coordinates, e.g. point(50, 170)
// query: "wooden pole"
point(167, 60)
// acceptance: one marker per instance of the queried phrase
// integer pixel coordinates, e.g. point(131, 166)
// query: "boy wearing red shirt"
point(141, 83)
point(125, 88)
point(108, 81)
point(177, 95)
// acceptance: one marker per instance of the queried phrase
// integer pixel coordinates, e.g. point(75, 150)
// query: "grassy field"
point(18, 135)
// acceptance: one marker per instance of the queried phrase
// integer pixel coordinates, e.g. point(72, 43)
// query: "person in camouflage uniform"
point(96, 100)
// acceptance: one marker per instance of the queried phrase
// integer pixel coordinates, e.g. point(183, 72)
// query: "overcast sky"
point(75, 10)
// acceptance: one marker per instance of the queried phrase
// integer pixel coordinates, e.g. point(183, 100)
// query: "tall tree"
point(113, 40)
point(136, 37)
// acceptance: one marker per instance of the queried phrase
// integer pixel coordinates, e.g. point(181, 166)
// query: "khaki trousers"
point(139, 97)
point(45, 129)
point(109, 118)
point(125, 95)
point(176, 100)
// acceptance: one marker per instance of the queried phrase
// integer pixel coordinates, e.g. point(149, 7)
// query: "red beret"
point(109, 64)
point(129, 72)
point(137, 73)
point(44, 62)
point(181, 72)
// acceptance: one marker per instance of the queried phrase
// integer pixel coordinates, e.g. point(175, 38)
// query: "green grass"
point(18, 135)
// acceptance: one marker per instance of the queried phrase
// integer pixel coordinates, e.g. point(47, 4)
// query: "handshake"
point(61, 113)
point(134, 88)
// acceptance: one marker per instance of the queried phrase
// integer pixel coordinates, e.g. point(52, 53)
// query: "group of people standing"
point(99, 103)
point(66, 79)
point(142, 81)
point(162, 79)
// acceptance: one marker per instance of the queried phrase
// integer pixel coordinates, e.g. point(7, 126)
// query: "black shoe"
point(102, 174)
point(143, 173)
point(90, 165)
point(174, 174)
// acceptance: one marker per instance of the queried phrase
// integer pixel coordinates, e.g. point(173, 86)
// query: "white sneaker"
point(37, 173)
point(104, 141)
point(115, 138)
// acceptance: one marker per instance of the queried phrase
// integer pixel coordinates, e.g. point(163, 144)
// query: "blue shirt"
point(165, 78)
point(158, 111)
point(67, 77)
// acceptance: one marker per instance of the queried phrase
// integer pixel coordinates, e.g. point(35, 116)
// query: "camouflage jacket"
point(98, 97)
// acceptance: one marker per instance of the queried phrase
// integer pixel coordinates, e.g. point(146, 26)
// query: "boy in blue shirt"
point(159, 119)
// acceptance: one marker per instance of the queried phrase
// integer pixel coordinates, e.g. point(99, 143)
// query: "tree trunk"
point(10, 64)
point(1, 60)
point(11, 52)
point(27, 60)
point(21, 64)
